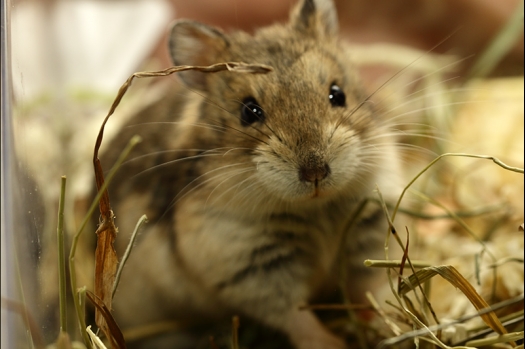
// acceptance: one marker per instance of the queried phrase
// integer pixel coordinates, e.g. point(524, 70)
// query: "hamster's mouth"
point(314, 191)
point(310, 195)
point(314, 196)
point(319, 193)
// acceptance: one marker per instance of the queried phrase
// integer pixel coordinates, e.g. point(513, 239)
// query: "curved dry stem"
point(73, 280)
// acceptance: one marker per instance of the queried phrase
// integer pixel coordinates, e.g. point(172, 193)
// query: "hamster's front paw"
point(306, 332)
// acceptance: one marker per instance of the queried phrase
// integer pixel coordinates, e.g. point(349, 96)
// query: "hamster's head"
point(302, 132)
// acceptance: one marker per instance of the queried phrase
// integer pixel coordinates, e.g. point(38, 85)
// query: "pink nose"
point(314, 174)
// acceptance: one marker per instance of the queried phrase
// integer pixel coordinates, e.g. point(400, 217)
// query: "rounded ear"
point(317, 18)
point(196, 44)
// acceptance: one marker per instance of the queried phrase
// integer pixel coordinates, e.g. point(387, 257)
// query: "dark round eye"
point(337, 96)
point(251, 112)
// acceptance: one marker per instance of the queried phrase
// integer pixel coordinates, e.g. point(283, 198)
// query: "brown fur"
point(233, 227)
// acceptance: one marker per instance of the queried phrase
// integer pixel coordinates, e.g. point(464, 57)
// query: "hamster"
point(251, 182)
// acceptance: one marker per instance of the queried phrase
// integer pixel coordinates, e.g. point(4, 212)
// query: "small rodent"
point(250, 182)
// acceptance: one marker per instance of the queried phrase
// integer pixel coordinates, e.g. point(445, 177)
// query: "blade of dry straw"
point(485, 157)
point(72, 269)
point(451, 274)
point(393, 263)
point(238, 67)
point(504, 338)
point(392, 342)
point(393, 327)
point(142, 220)
point(97, 342)
point(61, 258)
point(106, 259)
point(116, 338)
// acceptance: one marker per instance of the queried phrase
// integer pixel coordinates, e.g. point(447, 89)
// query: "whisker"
point(171, 162)
point(396, 75)
point(401, 148)
point(426, 77)
point(404, 133)
point(161, 152)
point(239, 172)
point(213, 127)
point(232, 149)
point(422, 97)
point(216, 105)
point(451, 104)
point(179, 197)
point(248, 194)
point(263, 121)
